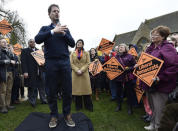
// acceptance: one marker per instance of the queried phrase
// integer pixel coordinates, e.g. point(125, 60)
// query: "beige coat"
point(80, 83)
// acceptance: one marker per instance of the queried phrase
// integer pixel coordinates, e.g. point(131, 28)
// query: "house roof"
point(170, 20)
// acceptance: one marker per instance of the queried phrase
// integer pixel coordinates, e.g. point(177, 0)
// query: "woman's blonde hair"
point(126, 47)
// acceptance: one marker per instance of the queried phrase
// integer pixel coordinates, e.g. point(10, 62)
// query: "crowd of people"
point(17, 72)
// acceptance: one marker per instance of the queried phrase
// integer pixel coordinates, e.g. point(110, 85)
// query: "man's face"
point(54, 14)
point(3, 43)
point(31, 43)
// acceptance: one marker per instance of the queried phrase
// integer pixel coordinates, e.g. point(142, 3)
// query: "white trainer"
point(150, 127)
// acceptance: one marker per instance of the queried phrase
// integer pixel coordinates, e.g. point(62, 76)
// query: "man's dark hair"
point(50, 7)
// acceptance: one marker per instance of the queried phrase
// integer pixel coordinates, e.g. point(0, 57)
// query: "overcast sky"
point(91, 20)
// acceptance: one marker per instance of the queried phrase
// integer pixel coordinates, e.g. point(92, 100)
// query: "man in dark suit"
point(56, 40)
point(32, 75)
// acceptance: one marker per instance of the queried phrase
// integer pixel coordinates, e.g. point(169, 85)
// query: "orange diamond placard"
point(17, 49)
point(105, 46)
point(39, 56)
point(139, 92)
point(113, 68)
point(95, 67)
point(5, 27)
point(133, 52)
point(149, 67)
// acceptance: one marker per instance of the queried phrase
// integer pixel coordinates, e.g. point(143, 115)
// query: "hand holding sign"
point(156, 79)
point(136, 65)
point(105, 46)
point(39, 57)
point(95, 67)
point(113, 68)
point(148, 68)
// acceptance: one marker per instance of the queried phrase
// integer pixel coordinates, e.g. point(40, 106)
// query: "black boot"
point(145, 116)
point(118, 108)
point(148, 119)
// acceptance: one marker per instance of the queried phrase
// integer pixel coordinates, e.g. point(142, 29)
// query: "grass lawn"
point(103, 118)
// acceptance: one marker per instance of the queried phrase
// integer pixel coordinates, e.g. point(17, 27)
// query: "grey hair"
point(126, 47)
point(30, 40)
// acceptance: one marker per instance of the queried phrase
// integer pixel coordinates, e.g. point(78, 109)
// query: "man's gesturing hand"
point(60, 29)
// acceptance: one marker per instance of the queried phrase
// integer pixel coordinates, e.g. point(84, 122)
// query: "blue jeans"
point(113, 88)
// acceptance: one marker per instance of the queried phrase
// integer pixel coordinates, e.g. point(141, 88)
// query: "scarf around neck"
point(79, 53)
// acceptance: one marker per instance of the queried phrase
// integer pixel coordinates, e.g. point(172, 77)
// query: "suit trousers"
point(33, 88)
point(58, 75)
point(15, 89)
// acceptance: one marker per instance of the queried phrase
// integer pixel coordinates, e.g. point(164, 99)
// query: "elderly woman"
point(81, 87)
point(165, 81)
point(126, 79)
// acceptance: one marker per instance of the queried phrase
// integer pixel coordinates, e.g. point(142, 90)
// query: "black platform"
point(37, 121)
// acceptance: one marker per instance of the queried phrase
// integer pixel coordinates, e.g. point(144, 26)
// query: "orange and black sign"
point(39, 57)
point(139, 91)
point(113, 68)
point(95, 67)
point(17, 49)
point(133, 52)
point(5, 27)
point(148, 68)
point(105, 46)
